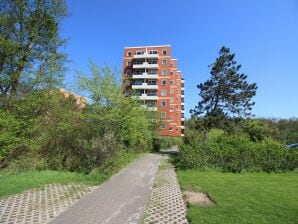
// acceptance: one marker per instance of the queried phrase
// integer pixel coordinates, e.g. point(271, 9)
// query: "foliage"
point(30, 47)
point(165, 142)
point(237, 153)
point(10, 136)
point(226, 94)
point(242, 198)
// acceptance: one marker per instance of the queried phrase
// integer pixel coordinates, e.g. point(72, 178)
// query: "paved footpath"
point(120, 200)
point(166, 205)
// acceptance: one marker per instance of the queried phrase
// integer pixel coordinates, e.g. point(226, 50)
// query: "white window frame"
point(171, 100)
point(162, 82)
point(172, 82)
point(164, 50)
point(163, 102)
point(163, 126)
point(171, 73)
point(164, 61)
point(129, 53)
point(163, 92)
point(164, 72)
point(128, 63)
point(171, 128)
point(171, 109)
point(163, 115)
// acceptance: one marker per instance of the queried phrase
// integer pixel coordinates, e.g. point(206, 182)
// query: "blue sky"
point(262, 33)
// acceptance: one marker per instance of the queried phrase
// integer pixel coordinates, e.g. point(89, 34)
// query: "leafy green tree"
point(226, 94)
point(30, 47)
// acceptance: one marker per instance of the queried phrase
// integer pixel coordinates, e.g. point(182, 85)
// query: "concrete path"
point(121, 200)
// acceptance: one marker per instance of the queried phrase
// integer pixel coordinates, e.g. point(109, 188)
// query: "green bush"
point(12, 143)
point(236, 153)
point(162, 142)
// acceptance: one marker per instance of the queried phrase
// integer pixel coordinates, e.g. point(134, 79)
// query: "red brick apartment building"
point(150, 73)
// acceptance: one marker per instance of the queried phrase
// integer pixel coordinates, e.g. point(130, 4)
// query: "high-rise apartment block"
point(151, 74)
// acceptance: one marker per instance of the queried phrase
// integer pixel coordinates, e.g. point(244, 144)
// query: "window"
point(163, 115)
point(172, 82)
point(171, 100)
point(172, 65)
point(164, 72)
point(153, 52)
point(129, 63)
point(164, 61)
point(171, 91)
point(164, 52)
point(164, 82)
point(171, 118)
point(164, 93)
point(163, 126)
point(171, 128)
point(171, 73)
point(163, 103)
point(151, 82)
point(171, 109)
point(129, 53)
point(140, 53)
point(128, 72)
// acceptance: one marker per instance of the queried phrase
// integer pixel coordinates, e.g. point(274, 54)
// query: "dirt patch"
point(197, 198)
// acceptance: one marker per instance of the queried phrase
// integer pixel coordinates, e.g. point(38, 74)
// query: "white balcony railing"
point(182, 119)
point(146, 55)
point(147, 97)
point(144, 86)
point(145, 75)
point(145, 65)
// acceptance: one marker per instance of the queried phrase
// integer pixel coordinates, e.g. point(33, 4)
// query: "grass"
point(243, 198)
point(16, 183)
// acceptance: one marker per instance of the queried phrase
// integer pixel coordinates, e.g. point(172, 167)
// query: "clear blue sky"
point(262, 33)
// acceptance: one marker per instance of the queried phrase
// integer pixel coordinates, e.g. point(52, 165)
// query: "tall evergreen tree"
point(226, 94)
point(30, 47)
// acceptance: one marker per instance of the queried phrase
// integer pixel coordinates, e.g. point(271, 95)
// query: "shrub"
point(236, 153)
point(192, 157)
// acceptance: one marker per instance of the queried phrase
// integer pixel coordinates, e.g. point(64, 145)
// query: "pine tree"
point(226, 94)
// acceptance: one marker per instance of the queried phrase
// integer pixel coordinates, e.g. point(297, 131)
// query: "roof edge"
point(149, 46)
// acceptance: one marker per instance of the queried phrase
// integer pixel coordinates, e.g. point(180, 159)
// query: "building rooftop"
point(149, 46)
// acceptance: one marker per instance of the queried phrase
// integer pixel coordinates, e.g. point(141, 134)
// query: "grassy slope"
point(243, 198)
point(11, 184)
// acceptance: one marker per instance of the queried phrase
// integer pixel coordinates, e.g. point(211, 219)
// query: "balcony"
point(144, 86)
point(149, 108)
point(182, 127)
point(145, 55)
point(182, 119)
point(182, 135)
point(145, 65)
point(145, 75)
point(145, 96)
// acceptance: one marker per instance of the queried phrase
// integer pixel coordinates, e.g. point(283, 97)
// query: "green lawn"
point(243, 198)
point(15, 183)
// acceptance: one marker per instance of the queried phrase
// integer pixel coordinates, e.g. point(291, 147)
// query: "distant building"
point(150, 73)
point(80, 101)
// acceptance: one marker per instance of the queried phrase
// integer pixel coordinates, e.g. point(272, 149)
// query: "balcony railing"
point(145, 65)
point(145, 75)
point(145, 55)
point(144, 86)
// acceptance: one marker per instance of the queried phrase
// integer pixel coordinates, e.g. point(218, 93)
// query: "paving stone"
point(40, 205)
point(166, 204)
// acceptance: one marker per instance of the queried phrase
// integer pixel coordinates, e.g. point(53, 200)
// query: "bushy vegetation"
point(164, 142)
point(48, 130)
point(235, 152)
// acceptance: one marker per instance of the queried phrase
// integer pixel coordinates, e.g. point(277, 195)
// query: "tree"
point(226, 94)
point(30, 46)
